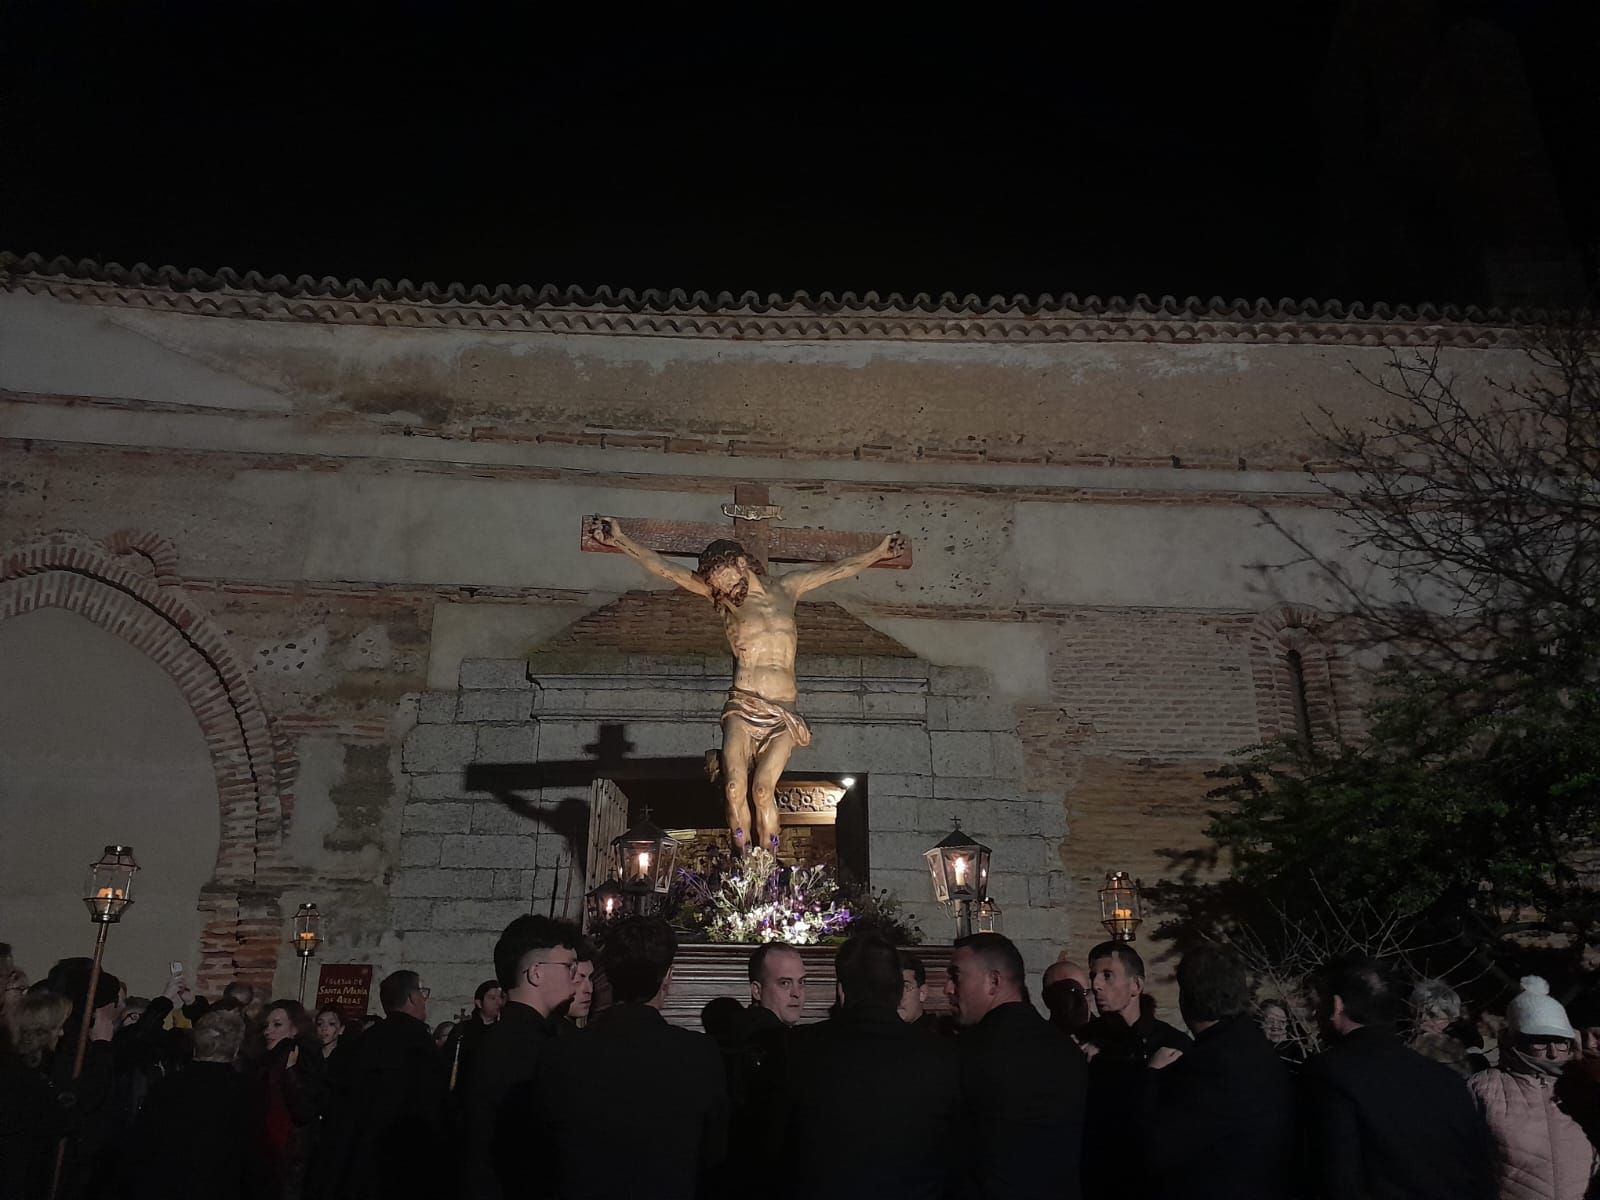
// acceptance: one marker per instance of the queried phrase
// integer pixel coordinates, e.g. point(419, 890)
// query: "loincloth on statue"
point(765, 719)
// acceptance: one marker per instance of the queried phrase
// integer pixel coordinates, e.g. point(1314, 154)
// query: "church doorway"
point(822, 819)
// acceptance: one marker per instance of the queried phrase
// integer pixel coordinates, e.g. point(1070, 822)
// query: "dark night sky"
point(1108, 148)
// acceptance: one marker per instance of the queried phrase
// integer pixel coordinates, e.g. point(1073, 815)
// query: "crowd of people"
point(183, 1096)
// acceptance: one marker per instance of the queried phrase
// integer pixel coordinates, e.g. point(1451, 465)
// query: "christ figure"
point(760, 727)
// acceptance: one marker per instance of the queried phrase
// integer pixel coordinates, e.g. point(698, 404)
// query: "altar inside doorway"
point(822, 820)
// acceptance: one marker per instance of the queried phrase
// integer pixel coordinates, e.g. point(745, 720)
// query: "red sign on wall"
point(346, 986)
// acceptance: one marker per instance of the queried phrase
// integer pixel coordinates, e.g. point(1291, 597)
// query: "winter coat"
point(1540, 1152)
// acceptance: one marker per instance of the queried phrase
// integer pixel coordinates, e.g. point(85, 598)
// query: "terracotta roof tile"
point(748, 316)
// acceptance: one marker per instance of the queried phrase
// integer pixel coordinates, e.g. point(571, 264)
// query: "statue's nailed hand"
point(892, 546)
point(606, 531)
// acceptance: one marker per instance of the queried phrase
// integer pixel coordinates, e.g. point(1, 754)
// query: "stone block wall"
point(932, 742)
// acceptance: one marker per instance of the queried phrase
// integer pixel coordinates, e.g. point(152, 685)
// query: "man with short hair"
point(914, 993)
point(1120, 1042)
point(866, 1057)
point(577, 1014)
point(535, 961)
point(1218, 1118)
point(1382, 1120)
point(569, 1116)
point(466, 1039)
point(1066, 995)
point(193, 1136)
point(384, 1133)
point(1023, 1083)
point(777, 982)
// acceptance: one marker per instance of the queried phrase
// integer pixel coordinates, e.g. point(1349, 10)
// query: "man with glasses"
point(388, 1121)
point(536, 963)
point(568, 1117)
point(1066, 996)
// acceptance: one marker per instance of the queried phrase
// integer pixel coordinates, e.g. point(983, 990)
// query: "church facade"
point(293, 597)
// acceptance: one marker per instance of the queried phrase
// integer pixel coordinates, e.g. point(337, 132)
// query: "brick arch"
point(1325, 675)
point(128, 585)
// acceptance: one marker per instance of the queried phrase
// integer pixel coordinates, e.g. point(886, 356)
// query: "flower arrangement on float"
point(757, 899)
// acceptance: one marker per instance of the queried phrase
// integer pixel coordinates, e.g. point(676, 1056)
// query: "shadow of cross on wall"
point(569, 817)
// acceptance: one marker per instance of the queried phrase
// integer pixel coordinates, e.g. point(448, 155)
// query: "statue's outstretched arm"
point(809, 578)
point(608, 532)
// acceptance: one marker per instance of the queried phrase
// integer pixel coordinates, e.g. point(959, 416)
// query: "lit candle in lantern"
point(961, 871)
point(1122, 914)
point(611, 905)
point(644, 862)
point(108, 893)
point(306, 937)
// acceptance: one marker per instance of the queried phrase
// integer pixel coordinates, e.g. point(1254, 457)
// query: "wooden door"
point(608, 819)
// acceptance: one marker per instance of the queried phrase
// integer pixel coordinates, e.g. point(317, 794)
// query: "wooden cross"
point(754, 527)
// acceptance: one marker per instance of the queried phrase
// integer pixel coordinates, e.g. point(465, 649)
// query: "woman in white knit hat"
point(1541, 1153)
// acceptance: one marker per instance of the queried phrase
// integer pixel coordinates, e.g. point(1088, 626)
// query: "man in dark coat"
point(192, 1139)
point(1218, 1119)
point(389, 1124)
point(1023, 1080)
point(1384, 1123)
point(869, 1107)
point(535, 961)
point(583, 1138)
point(466, 1039)
point(1120, 1042)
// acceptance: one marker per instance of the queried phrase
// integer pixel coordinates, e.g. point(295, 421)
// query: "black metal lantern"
point(109, 889)
point(643, 858)
point(307, 937)
point(989, 917)
point(307, 930)
point(1120, 909)
point(960, 868)
point(604, 904)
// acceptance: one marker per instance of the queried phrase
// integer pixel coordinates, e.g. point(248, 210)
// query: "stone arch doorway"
point(128, 586)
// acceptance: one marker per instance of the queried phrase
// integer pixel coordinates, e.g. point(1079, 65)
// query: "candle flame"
point(644, 862)
point(961, 872)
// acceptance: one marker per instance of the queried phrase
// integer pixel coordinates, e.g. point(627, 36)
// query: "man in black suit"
point(585, 1137)
point(1119, 1042)
point(1219, 1118)
point(536, 963)
point(1023, 1080)
point(1383, 1122)
point(870, 1107)
point(384, 1135)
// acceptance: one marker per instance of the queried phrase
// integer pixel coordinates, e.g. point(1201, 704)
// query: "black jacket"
point(630, 1100)
point(1384, 1123)
point(1219, 1123)
point(32, 1118)
point(192, 1138)
point(386, 1125)
point(508, 1055)
point(870, 1108)
point(1024, 1084)
point(1112, 1140)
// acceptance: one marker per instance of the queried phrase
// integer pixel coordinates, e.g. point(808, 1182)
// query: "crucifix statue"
point(760, 725)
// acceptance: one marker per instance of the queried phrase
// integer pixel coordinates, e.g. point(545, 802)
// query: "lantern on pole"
point(960, 870)
point(643, 859)
point(604, 904)
point(989, 917)
point(109, 887)
point(307, 937)
point(107, 893)
point(1120, 909)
